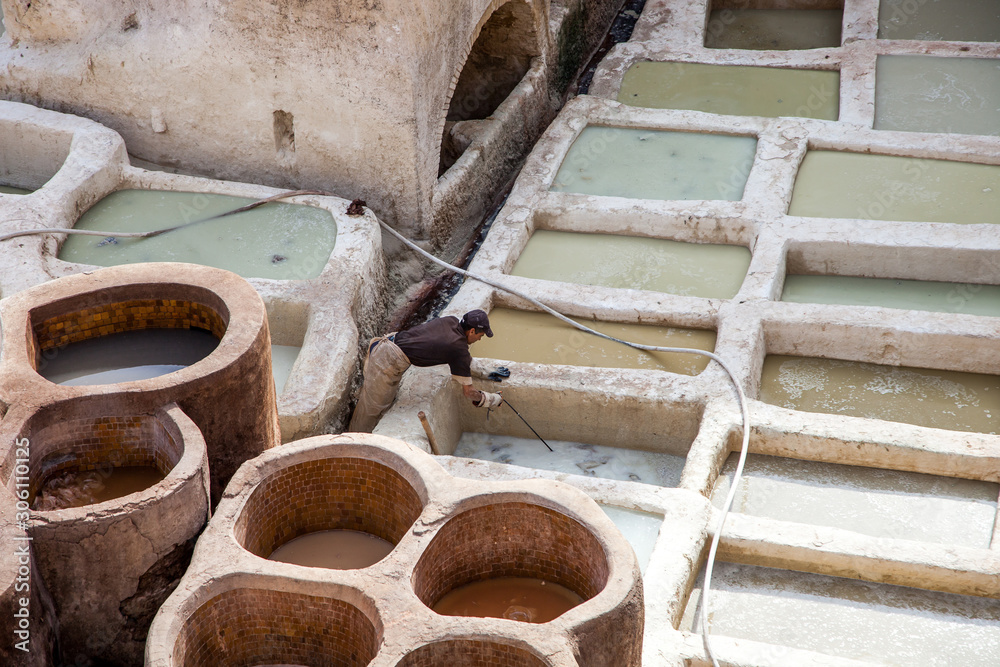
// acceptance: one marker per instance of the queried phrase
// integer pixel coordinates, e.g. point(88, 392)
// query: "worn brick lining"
point(96, 443)
point(105, 319)
point(513, 539)
point(327, 494)
point(266, 627)
point(470, 653)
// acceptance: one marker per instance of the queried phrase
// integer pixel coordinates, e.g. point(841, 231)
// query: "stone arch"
point(498, 56)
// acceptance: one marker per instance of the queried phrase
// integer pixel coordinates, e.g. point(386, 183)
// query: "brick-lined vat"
point(157, 295)
point(391, 489)
point(110, 565)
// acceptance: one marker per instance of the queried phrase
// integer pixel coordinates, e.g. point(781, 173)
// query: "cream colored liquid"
point(733, 90)
point(278, 241)
point(948, 20)
point(575, 458)
point(939, 297)
point(929, 94)
point(640, 529)
point(651, 164)
point(514, 598)
point(834, 184)
point(935, 398)
point(334, 550)
point(777, 29)
point(76, 489)
point(875, 623)
point(282, 359)
point(542, 339)
point(126, 356)
point(880, 503)
point(711, 271)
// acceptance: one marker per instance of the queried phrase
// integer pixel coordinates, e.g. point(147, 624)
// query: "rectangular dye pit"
point(640, 529)
point(278, 241)
point(880, 503)
point(655, 164)
point(946, 20)
point(877, 623)
point(711, 271)
point(542, 339)
point(733, 90)
point(943, 399)
point(574, 458)
point(934, 296)
point(837, 184)
point(772, 29)
point(931, 94)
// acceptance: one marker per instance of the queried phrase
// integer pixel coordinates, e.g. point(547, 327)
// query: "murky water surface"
point(880, 503)
point(931, 94)
point(282, 359)
point(542, 339)
point(575, 458)
point(936, 398)
point(773, 29)
point(279, 241)
point(708, 270)
point(876, 623)
point(126, 356)
point(79, 488)
point(640, 529)
point(949, 20)
point(837, 184)
point(940, 297)
point(514, 598)
point(334, 549)
point(733, 89)
point(652, 164)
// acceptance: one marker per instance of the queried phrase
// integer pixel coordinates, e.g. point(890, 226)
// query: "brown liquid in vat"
point(76, 489)
point(514, 598)
point(334, 549)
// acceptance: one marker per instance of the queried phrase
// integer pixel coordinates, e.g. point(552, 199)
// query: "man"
point(444, 340)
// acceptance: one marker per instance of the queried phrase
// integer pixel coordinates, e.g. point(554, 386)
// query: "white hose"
point(710, 563)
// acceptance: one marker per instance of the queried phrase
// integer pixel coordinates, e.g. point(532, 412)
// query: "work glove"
point(489, 400)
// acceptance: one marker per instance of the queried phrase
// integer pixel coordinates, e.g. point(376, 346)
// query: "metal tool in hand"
point(526, 423)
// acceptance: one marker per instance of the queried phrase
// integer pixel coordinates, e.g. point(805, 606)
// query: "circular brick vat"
point(256, 626)
point(471, 653)
point(108, 566)
point(511, 539)
point(334, 493)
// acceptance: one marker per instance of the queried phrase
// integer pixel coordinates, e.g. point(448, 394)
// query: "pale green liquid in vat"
point(935, 398)
point(282, 359)
point(773, 29)
point(278, 241)
point(835, 184)
point(8, 190)
point(876, 623)
point(929, 94)
point(733, 90)
point(940, 297)
point(126, 356)
point(948, 20)
point(652, 164)
point(880, 503)
point(691, 269)
point(542, 339)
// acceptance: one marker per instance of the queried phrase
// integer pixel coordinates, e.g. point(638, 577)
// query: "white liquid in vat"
point(652, 164)
point(282, 359)
point(691, 269)
point(639, 528)
point(880, 503)
point(574, 458)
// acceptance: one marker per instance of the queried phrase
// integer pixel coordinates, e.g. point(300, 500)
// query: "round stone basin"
point(277, 240)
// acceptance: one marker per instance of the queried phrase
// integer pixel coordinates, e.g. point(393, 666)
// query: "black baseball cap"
point(477, 319)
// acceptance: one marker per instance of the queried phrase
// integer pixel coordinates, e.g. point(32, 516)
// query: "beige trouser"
point(384, 367)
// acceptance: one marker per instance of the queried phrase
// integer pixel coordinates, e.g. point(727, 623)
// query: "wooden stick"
point(429, 432)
